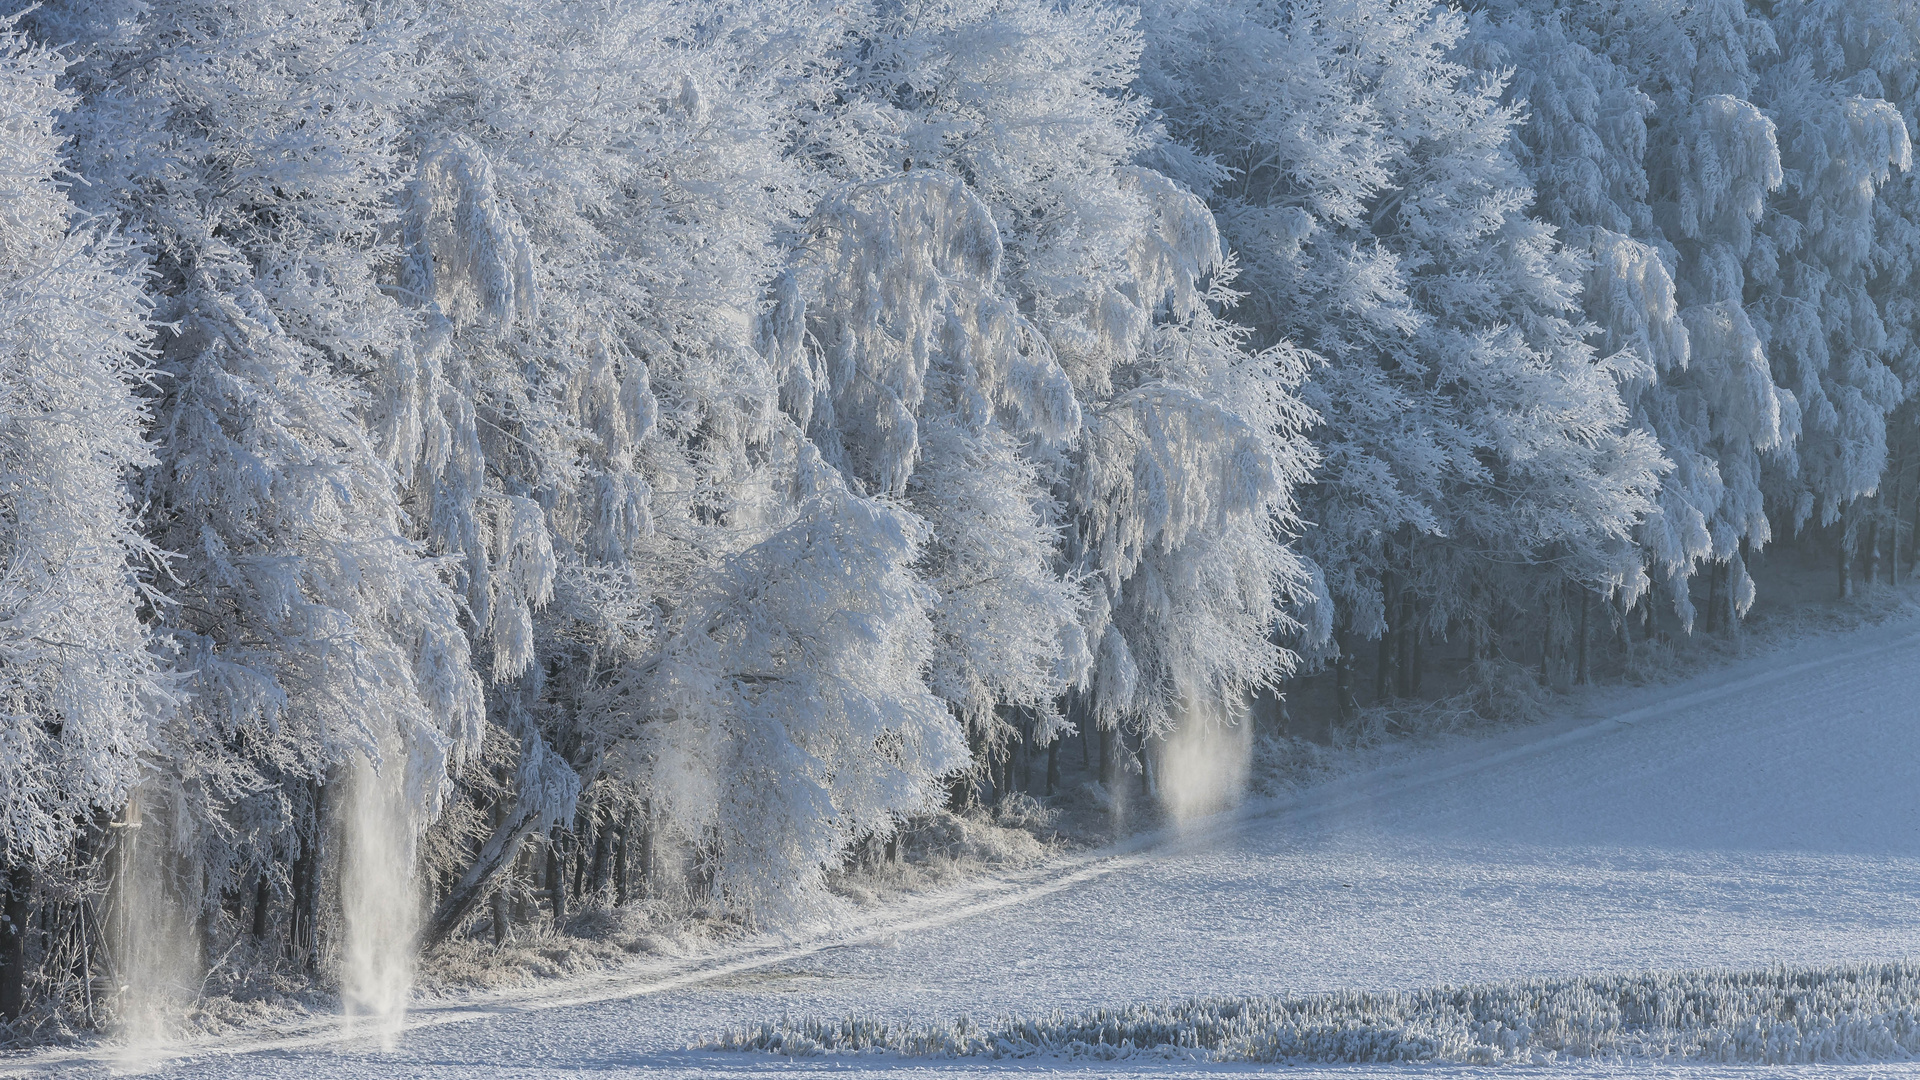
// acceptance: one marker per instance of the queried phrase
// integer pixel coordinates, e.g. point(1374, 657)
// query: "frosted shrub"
point(1780, 1016)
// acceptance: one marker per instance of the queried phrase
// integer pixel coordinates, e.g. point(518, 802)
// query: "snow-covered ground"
point(1769, 812)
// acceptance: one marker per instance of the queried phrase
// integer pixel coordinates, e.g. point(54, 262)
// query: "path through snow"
point(1770, 812)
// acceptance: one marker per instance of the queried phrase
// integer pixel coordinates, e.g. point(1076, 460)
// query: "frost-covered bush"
point(1782, 1016)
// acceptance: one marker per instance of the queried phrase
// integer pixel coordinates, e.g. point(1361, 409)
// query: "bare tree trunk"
point(649, 869)
point(556, 880)
point(1146, 773)
point(13, 941)
point(1383, 664)
point(498, 850)
point(1872, 569)
point(582, 848)
point(304, 926)
point(622, 863)
point(602, 849)
point(523, 873)
point(1053, 765)
point(1586, 605)
point(1894, 523)
point(1343, 693)
point(1027, 720)
point(1546, 638)
point(1408, 647)
point(1845, 564)
point(262, 896)
point(501, 924)
point(1913, 525)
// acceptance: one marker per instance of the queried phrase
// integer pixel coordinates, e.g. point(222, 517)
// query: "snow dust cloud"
point(1202, 764)
point(158, 952)
point(379, 905)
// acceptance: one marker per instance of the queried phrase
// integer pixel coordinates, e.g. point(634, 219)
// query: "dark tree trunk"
point(1872, 569)
point(304, 926)
point(523, 875)
point(1343, 692)
point(1053, 765)
point(500, 921)
point(582, 846)
point(556, 880)
point(1845, 562)
point(1586, 605)
point(499, 849)
point(1625, 614)
point(1895, 527)
point(1913, 526)
point(1546, 639)
point(622, 862)
point(649, 869)
point(1026, 750)
point(602, 848)
point(13, 941)
point(1146, 772)
point(1383, 665)
point(262, 896)
point(1407, 649)
point(1418, 664)
point(1107, 758)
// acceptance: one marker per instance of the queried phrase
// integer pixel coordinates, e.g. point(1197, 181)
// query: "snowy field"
point(1769, 813)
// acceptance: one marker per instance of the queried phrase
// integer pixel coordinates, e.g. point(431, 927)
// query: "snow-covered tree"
point(1365, 176)
point(1649, 154)
point(1813, 269)
point(1178, 491)
point(933, 389)
point(254, 151)
point(787, 714)
point(78, 683)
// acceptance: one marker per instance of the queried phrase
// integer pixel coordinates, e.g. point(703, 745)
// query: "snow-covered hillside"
point(1767, 813)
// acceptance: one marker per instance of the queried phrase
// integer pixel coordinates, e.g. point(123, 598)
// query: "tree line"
point(521, 451)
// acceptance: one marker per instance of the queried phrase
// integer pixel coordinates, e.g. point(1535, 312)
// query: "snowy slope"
point(1770, 812)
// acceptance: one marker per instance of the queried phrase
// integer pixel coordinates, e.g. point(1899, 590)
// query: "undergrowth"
point(1776, 1017)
